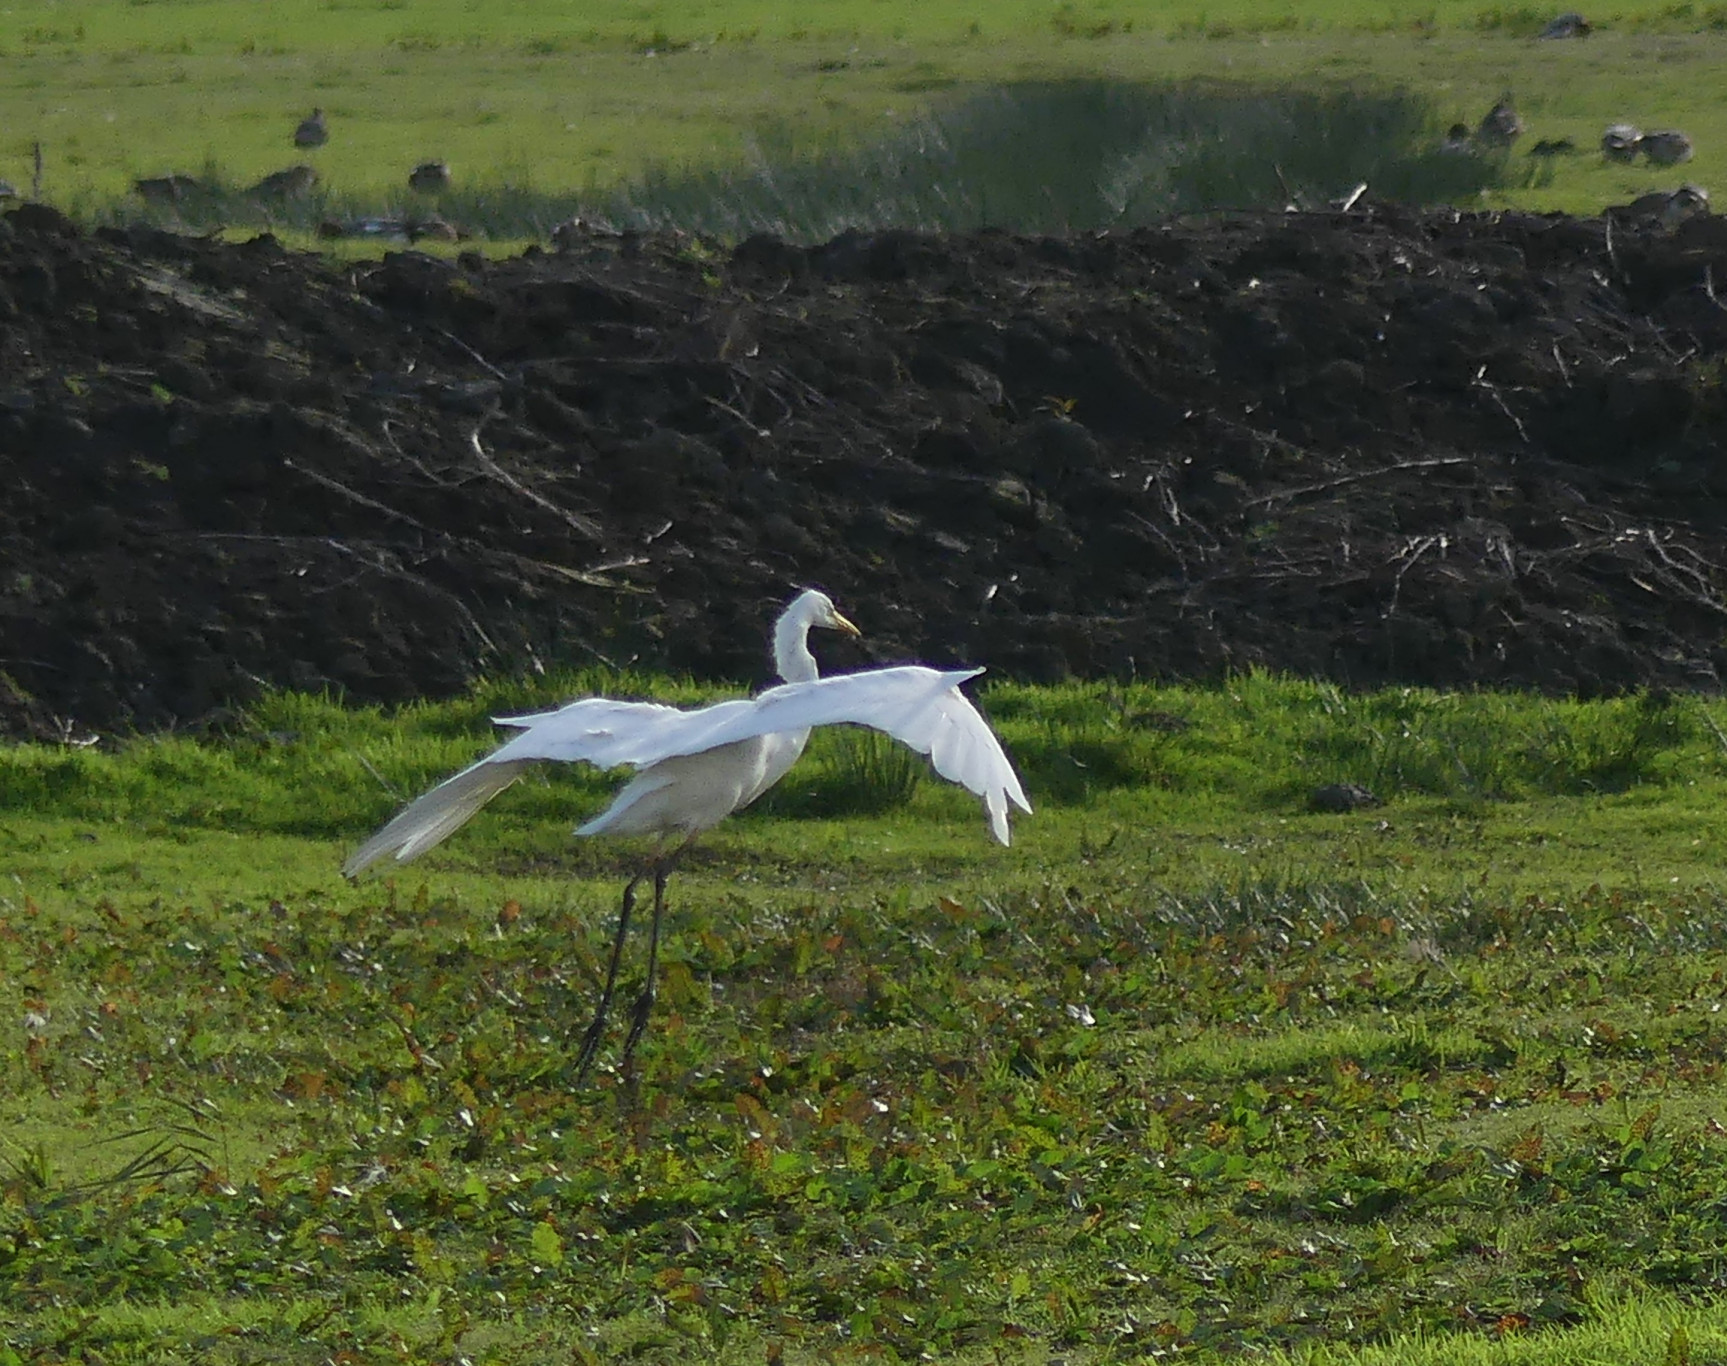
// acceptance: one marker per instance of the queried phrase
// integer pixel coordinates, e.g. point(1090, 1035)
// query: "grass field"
point(1189, 1069)
point(568, 106)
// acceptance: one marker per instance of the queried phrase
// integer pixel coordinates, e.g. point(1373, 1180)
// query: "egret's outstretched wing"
point(612, 734)
point(595, 730)
point(919, 707)
point(437, 815)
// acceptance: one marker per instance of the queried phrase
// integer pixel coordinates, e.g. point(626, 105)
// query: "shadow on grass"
point(1033, 158)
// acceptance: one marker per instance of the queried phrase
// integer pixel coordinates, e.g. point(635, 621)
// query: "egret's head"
point(830, 617)
point(792, 658)
point(818, 610)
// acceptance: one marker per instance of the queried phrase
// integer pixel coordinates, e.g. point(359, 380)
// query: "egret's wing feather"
point(922, 708)
point(612, 734)
point(438, 814)
point(595, 730)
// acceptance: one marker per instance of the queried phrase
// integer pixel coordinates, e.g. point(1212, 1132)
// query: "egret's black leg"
point(591, 1040)
point(645, 1002)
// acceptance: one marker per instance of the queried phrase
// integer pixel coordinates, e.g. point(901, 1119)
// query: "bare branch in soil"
point(353, 496)
point(1356, 478)
point(582, 526)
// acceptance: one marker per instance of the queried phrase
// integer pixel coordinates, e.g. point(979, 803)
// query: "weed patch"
point(1031, 1115)
point(1173, 1074)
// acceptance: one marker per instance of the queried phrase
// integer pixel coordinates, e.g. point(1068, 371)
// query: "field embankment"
point(1377, 446)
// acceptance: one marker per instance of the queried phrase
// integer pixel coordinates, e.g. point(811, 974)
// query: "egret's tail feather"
point(437, 815)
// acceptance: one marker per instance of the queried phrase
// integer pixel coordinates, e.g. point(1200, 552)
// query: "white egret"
point(694, 768)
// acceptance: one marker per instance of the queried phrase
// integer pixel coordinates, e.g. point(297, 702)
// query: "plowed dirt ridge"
point(1387, 446)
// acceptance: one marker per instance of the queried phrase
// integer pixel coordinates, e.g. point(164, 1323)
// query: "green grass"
point(1047, 157)
point(531, 105)
point(302, 765)
point(1189, 1069)
point(1657, 1329)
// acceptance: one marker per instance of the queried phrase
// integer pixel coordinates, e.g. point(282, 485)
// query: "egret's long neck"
point(792, 655)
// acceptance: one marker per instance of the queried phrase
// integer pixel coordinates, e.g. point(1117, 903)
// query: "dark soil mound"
point(1382, 446)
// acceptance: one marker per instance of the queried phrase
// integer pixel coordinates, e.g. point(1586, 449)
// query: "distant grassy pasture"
point(1189, 1069)
point(1056, 157)
point(541, 98)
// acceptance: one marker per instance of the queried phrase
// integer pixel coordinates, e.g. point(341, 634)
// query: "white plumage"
point(694, 768)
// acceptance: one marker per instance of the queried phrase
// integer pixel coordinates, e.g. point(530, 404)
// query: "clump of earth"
point(1387, 446)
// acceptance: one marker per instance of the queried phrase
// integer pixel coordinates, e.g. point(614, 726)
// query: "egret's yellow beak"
point(840, 624)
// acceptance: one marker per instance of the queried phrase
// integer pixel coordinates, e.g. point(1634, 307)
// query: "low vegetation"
point(1189, 1070)
point(1033, 157)
point(648, 108)
point(302, 765)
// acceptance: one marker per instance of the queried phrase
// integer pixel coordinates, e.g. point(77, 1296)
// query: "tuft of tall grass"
point(1073, 156)
point(851, 771)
